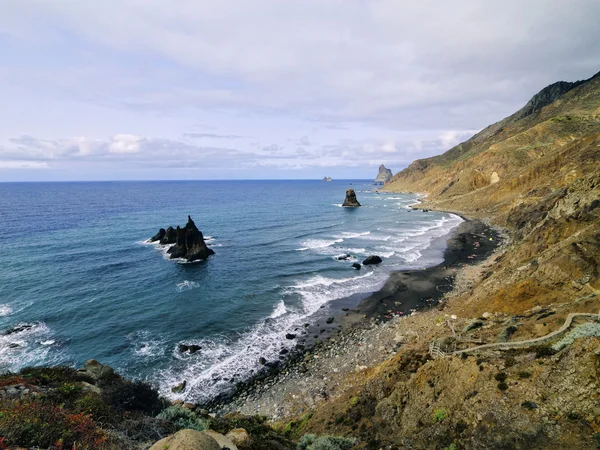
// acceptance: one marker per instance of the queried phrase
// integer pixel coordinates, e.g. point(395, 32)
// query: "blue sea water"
point(77, 272)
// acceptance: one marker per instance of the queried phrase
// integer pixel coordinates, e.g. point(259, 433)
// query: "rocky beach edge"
point(405, 293)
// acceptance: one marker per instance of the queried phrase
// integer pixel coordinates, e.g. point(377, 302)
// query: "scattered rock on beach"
point(350, 199)
point(373, 259)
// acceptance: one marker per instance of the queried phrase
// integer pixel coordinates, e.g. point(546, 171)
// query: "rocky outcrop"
point(350, 199)
point(189, 242)
point(384, 175)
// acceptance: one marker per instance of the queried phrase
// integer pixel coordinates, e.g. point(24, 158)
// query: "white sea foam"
point(279, 310)
point(27, 343)
point(186, 286)
point(5, 310)
point(146, 344)
point(317, 244)
point(236, 356)
point(350, 235)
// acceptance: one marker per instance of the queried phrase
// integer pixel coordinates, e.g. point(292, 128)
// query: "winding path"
point(436, 352)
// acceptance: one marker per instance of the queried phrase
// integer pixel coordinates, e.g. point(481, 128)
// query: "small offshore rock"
point(262, 361)
point(290, 336)
point(357, 266)
point(192, 348)
point(329, 320)
point(350, 200)
point(373, 259)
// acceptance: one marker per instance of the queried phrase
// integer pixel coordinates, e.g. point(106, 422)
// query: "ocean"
point(78, 279)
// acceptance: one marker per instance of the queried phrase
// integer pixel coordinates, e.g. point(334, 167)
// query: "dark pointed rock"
point(189, 242)
point(350, 199)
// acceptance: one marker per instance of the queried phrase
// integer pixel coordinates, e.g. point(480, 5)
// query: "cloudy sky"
point(194, 89)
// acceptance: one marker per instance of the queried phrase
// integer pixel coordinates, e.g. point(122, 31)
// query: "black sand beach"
point(403, 293)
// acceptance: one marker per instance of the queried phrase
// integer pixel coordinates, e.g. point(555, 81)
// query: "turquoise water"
point(77, 272)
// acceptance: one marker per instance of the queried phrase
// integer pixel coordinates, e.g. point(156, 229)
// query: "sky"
point(269, 89)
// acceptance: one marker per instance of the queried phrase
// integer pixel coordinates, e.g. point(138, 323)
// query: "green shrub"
point(101, 412)
point(38, 423)
point(501, 376)
point(439, 415)
point(502, 386)
point(183, 418)
point(543, 351)
point(524, 374)
point(311, 442)
point(47, 376)
point(127, 395)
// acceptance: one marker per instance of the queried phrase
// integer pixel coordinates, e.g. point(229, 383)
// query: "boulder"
point(373, 259)
point(223, 441)
point(290, 336)
point(187, 440)
point(345, 257)
point(179, 388)
point(357, 266)
point(350, 199)
point(239, 436)
point(95, 370)
point(189, 242)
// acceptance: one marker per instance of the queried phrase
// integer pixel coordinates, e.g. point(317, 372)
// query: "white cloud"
point(125, 143)
point(23, 164)
point(334, 83)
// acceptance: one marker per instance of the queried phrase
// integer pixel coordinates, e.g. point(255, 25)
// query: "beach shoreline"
point(404, 293)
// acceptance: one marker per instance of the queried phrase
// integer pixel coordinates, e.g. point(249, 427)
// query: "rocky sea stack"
point(188, 242)
point(350, 199)
point(384, 175)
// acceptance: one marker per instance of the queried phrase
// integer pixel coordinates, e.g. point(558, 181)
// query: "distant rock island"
point(384, 175)
point(350, 199)
point(327, 179)
point(188, 242)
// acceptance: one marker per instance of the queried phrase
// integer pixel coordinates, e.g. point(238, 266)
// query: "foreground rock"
point(187, 440)
point(189, 242)
point(350, 199)
point(384, 175)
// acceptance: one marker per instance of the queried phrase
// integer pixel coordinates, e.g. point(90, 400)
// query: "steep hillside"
point(537, 174)
point(530, 377)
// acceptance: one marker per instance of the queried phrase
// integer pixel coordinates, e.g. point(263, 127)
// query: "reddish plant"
point(37, 423)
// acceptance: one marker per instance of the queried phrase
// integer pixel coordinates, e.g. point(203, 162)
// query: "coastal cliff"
point(510, 356)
